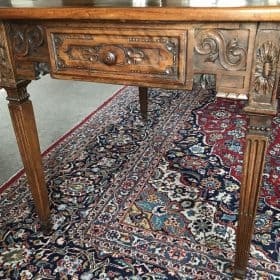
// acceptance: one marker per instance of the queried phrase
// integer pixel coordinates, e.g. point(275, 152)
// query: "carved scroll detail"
point(6, 69)
point(230, 54)
point(26, 39)
point(95, 53)
point(29, 50)
point(266, 67)
point(135, 55)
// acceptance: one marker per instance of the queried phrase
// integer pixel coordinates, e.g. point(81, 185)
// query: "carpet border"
point(20, 172)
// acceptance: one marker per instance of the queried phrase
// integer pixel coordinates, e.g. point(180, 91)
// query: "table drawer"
point(125, 55)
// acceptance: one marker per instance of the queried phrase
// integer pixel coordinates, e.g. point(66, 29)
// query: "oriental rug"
point(144, 200)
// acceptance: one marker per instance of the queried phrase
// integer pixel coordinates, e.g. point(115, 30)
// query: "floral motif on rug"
point(145, 200)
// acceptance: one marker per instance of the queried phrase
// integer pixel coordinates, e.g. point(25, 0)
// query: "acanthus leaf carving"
point(231, 55)
point(266, 66)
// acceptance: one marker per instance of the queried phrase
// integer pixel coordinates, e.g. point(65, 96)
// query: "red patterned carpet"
point(136, 200)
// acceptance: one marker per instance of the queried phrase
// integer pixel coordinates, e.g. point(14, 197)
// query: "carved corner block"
point(265, 71)
point(217, 48)
point(225, 52)
point(7, 77)
point(30, 50)
point(26, 39)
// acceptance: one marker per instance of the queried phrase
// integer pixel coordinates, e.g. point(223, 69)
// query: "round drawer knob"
point(110, 58)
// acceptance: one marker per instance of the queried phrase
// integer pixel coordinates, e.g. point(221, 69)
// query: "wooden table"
point(149, 44)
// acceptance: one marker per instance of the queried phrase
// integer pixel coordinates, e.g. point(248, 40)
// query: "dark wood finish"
point(164, 43)
point(143, 100)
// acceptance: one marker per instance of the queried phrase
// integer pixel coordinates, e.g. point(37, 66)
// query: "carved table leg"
point(253, 165)
point(23, 120)
point(261, 108)
point(143, 98)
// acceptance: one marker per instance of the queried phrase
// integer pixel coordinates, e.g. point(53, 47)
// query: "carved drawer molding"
point(128, 55)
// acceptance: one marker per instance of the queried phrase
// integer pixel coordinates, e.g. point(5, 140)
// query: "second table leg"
point(143, 99)
point(253, 166)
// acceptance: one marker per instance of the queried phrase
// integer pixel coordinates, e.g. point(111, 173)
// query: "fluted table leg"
point(23, 120)
point(253, 165)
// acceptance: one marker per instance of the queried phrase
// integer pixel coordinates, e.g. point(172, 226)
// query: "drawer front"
point(122, 55)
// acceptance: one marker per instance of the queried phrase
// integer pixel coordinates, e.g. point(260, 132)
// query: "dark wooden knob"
point(109, 58)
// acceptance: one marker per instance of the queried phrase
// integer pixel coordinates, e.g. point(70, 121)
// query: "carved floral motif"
point(231, 55)
point(266, 66)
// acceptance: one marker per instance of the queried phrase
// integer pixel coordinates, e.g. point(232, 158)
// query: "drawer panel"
point(141, 55)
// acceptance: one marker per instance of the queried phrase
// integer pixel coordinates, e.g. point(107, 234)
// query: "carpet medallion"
point(136, 200)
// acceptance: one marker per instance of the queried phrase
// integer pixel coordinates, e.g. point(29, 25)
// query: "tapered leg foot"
point(239, 274)
point(46, 227)
point(143, 98)
point(23, 120)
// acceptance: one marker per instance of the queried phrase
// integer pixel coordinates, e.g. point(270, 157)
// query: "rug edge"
point(20, 172)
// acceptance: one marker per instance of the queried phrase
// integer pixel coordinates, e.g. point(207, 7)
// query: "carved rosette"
point(266, 67)
point(6, 69)
point(213, 44)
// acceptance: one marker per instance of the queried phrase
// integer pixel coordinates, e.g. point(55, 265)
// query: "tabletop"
point(138, 3)
point(169, 10)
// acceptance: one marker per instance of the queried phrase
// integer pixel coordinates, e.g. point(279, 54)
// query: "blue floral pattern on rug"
point(145, 200)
